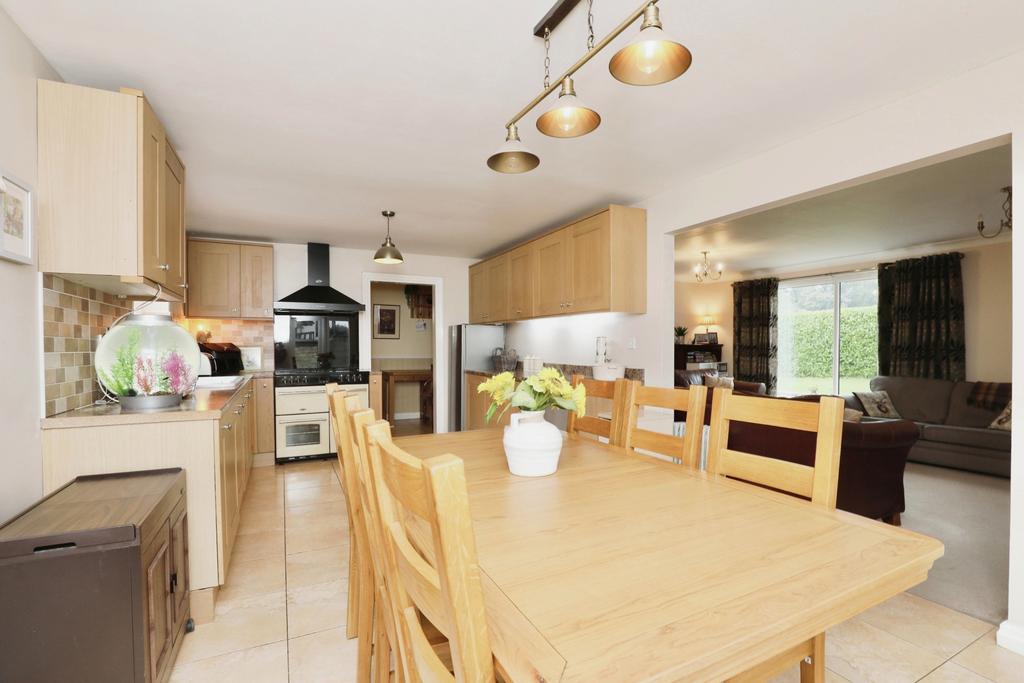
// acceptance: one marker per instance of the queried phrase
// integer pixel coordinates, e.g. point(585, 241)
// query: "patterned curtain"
point(921, 317)
point(756, 331)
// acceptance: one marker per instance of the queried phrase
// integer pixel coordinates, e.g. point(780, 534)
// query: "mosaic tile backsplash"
point(74, 317)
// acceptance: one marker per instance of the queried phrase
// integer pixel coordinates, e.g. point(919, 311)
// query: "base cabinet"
point(477, 405)
point(107, 601)
point(264, 411)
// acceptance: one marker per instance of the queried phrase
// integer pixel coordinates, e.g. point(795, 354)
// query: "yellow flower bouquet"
point(545, 389)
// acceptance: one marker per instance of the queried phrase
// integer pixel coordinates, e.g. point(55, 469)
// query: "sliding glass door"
point(828, 334)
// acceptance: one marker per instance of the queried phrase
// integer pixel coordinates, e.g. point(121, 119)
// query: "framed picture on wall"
point(16, 224)
point(712, 337)
point(386, 321)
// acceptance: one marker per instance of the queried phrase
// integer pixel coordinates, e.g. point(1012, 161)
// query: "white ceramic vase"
point(532, 445)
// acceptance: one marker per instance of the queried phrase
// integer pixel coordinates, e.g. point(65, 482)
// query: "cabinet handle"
point(568, 304)
point(227, 427)
point(238, 410)
point(174, 582)
point(165, 266)
point(234, 310)
point(184, 285)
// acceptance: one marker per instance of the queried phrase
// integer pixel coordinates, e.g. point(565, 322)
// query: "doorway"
point(403, 350)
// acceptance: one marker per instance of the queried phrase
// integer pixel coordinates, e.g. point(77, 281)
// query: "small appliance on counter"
point(505, 360)
point(225, 358)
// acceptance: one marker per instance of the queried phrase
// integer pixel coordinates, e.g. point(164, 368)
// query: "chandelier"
point(650, 59)
point(1006, 222)
point(702, 271)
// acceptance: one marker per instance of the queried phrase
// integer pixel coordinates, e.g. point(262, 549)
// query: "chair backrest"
point(825, 419)
point(598, 426)
point(424, 504)
point(685, 448)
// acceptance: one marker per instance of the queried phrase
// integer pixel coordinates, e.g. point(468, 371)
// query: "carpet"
point(970, 514)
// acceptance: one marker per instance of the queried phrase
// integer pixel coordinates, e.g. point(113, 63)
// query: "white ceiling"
point(302, 120)
point(937, 203)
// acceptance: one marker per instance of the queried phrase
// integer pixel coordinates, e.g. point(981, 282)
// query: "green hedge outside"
point(812, 343)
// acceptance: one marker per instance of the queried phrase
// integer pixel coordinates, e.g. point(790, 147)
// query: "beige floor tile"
point(987, 659)
point(253, 577)
point(953, 673)
point(324, 657)
point(238, 625)
point(263, 664)
point(313, 494)
point(317, 566)
point(307, 478)
point(865, 654)
point(334, 510)
point(260, 519)
point(315, 537)
point(257, 545)
point(793, 676)
point(316, 608)
point(926, 624)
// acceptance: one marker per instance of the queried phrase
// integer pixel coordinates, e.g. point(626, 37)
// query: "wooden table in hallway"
point(424, 377)
point(626, 568)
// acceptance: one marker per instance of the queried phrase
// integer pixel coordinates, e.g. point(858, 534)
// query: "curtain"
point(921, 317)
point(756, 331)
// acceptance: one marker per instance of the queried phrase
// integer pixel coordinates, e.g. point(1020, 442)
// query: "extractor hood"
point(318, 296)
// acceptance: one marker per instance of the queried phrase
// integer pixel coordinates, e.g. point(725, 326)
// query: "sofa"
point(684, 378)
point(953, 433)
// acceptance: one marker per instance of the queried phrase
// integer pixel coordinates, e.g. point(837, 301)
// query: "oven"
point(303, 420)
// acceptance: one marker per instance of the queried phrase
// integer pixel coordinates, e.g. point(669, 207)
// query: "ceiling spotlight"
point(568, 118)
point(388, 253)
point(651, 58)
point(513, 157)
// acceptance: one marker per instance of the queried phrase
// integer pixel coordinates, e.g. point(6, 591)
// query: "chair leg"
point(814, 671)
point(352, 618)
point(364, 648)
point(381, 646)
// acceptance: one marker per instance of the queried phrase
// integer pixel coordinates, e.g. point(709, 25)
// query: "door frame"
point(440, 358)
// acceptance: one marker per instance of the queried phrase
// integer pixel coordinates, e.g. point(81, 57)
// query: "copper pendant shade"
point(651, 59)
point(388, 253)
point(568, 118)
point(513, 157)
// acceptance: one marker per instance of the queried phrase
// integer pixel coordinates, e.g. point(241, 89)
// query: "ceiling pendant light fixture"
point(568, 118)
point(651, 59)
point(388, 253)
point(703, 273)
point(513, 157)
point(1004, 223)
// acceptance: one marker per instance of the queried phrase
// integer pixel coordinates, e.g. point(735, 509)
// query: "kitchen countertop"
point(205, 404)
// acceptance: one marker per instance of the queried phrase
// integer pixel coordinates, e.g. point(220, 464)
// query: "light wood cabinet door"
point(152, 140)
point(213, 269)
point(589, 264)
point(550, 277)
point(478, 296)
point(228, 491)
point(477, 405)
point(157, 565)
point(376, 393)
point(497, 289)
point(257, 284)
point(265, 415)
point(521, 281)
point(172, 221)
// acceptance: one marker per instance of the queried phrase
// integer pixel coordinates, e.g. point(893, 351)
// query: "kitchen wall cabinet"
point(595, 264)
point(214, 446)
point(230, 280)
point(265, 415)
point(110, 192)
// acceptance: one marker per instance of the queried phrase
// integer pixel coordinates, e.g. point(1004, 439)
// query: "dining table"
point(625, 567)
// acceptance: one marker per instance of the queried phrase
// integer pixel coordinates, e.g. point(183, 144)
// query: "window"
point(828, 334)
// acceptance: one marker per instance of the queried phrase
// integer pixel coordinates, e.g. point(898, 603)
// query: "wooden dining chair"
point(684, 449)
point(441, 584)
point(817, 482)
point(353, 559)
point(610, 429)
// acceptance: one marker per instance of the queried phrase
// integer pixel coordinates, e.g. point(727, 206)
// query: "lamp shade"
point(388, 253)
point(513, 157)
point(651, 59)
point(568, 117)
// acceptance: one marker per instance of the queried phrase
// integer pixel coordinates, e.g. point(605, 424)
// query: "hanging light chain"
point(590, 25)
point(547, 58)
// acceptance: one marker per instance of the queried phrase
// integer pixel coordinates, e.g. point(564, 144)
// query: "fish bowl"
point(146, 361)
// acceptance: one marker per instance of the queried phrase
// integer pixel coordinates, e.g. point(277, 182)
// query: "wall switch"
point(631, 343)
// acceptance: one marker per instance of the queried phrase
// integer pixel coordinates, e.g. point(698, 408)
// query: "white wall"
point(21, 471)
point(961, 112)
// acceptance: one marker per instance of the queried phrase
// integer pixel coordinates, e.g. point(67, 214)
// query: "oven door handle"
point(287, 392)
point(306, 420)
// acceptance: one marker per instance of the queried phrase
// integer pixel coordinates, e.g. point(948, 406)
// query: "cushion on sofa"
point(1003, 421)
point(917, 398)
point(962, 413)
point(991, 439)
point(877, 404)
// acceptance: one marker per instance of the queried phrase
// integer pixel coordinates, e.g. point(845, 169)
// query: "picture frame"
point(700, 338)
point(17, 220)
point(723, 368)
point(387, 321)
point(712, 337)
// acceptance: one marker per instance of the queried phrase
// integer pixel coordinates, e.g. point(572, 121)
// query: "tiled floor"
point(281, 614)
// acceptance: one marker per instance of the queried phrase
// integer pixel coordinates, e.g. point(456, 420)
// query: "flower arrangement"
point(133, 374)
point(545, 389)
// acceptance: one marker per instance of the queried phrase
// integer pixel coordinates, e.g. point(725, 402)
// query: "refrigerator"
point(470, 347)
